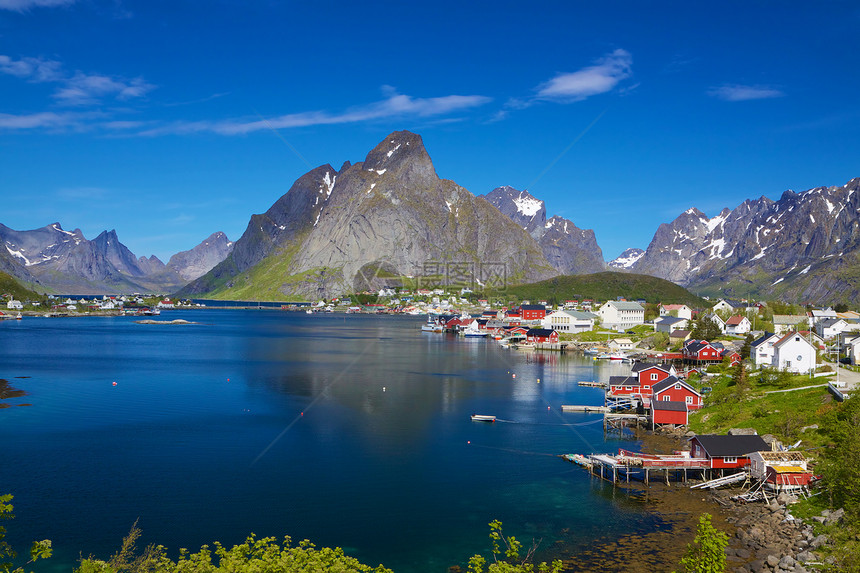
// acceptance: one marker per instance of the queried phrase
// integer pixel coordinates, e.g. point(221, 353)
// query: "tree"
point(512, 562)
point(705, 329)
point(839, 461)
point(740, 378)
point(746, 349)
point(707, 552)
point(39, 549)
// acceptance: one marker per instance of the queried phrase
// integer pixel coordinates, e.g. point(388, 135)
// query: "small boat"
point(617, 356)
point(432, 325)
point(590, 351)
point(483, 418)
point(523, 345)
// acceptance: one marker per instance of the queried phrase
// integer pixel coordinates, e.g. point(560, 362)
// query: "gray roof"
point(722, 446)
point(626, 305)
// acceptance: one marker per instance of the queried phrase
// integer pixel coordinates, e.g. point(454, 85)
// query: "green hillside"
point(604, 286)
point(10, 286)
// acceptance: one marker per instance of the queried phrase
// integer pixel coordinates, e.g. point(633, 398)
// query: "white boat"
point(591, 351)
point(472, 331)
point(617, 356)
point(432, 325)
point(483, 418)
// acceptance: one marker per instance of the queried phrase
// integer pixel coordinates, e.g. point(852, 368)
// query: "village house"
point(716, 319)
point(723, 305)
point(726, 452)
point(702, 351)
point(621, 315)
point(669, 324)
point(678, 337)
point(677, 310)
point(738, 325)
point(673, 389)
point(542, 335)
point(166, 303)
point(640, 382)
point(761, 349)
point(794, 353)
point(14, 305)
point(569, 321)
point(783, 323)
point(617, 344)
point(533, 311)
point(831, 327)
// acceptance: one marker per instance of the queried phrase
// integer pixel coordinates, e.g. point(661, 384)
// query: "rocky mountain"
point(626, 259)
point(803, 247)
point(57, 260)
point(201, 259)
point(569, 249)
point(386, 217)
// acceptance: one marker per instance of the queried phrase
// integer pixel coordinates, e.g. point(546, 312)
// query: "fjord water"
point(348, 430)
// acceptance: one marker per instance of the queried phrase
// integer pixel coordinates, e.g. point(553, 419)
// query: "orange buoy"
point(114, 383)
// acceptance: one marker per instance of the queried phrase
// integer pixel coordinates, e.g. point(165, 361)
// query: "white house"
point(166, 303)
point(761, 349)
point(738, 325)
point(715, 318)
point(794, 353)
point(783, 323)
point(670, 324)
point(620, 315)
point(568, 321)
point(14, 305)
point(621, 344)
point(679, 310)
point(831, 327)
point(723, 304)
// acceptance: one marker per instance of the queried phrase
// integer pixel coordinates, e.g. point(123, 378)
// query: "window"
point(654, 376)
point(678, 386)
point(666, 398)
point(730, 460)
point(689, 399)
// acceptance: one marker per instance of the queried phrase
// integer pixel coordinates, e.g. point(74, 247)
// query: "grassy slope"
point(9, 285)
point(605, 286)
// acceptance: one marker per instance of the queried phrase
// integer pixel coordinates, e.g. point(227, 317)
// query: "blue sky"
point(168, 121)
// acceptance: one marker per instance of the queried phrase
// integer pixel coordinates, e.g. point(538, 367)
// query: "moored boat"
point(483, 418)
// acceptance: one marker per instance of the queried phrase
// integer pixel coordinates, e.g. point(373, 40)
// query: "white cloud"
point(394, 106)
point(25, 5)
point(736, 92)
point(78, 89)
point(47, 119)
point(599, 78)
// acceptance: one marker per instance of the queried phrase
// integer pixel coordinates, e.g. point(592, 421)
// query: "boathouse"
point(533, 311)
point(542, 335)
point(673, 389)
point(666, 412)
point(726, 452)
point(780, 470)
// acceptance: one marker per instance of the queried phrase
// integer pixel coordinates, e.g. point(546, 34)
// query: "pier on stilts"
point(628, 465)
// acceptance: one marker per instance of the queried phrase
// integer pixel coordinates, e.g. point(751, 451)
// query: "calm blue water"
point(351, 431)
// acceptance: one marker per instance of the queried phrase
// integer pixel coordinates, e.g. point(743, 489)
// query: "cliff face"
point(390, 214)
point(201, 259)
point(803, 246)
point(569, 249)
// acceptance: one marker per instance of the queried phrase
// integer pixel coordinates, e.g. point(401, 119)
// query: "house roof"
point(736, 320)
point(828, 322)
point(679, 333)
point(639, 366)
point(788, 336)
point(622, 341)
point(623, 381)
point(788, 319)
point(721, 446)
point(673, 306)
point(669, 382)
point(670, 405)
point(669, 320)
point(532, 307)
point(624, 305)
point(539, 332)
point(762, 339)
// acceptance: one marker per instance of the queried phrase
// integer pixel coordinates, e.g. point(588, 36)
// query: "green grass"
point(10, 285)
point(601, 287)
point(783, 414)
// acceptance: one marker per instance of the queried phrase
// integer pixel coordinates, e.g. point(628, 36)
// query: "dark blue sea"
point(348, 430)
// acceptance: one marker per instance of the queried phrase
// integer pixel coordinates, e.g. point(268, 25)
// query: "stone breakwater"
point(769, 539)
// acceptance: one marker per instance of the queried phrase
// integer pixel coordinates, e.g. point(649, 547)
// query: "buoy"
point(303, 413)
point(383, 388)
point(548, 408)
point(469, 442)
point(228, 379)
point(515, 375)
point(114, 383)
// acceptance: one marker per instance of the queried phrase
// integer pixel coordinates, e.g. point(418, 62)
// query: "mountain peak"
point(402, 152)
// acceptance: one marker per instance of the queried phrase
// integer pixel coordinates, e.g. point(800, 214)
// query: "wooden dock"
point(627, 465)
point(558, 346)
point(569, 408)
point(592, 384)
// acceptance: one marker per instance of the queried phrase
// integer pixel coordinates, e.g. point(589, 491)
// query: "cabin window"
point(628, 388)
point(646, 387)
point(666, 398)
point(689, 399)
point(653, 376)
point(730, 460)
point(677, 386)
